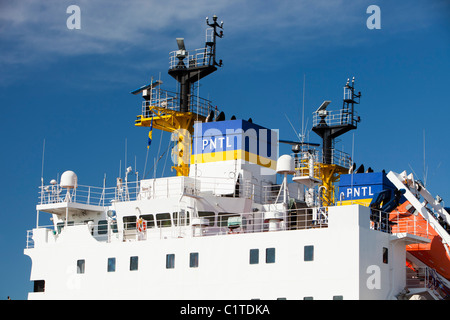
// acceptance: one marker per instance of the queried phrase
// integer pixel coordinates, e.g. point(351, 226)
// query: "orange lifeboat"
point(433, 254)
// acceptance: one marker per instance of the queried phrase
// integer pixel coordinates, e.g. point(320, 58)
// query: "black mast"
point(329, 125)
point(199, 65)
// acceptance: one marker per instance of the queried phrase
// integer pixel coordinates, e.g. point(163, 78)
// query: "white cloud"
point(35, 31)
point(105, 25)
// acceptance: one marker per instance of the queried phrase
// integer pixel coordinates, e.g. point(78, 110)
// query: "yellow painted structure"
point(327, 174)
point(179, 123)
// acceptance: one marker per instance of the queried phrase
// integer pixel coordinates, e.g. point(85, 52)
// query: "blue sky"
point(71, 87)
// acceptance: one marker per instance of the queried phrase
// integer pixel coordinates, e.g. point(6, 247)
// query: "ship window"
point(175, 219)
point(182, 216)
point(270, 255)
point(114, 227)
point(254, 256)
point(208, 215)
point(308, 254)
point(129, 222)
point(39, 286)
point(60, 225)
point(111, 264)
point(308, 298)
point(385, 255)
point(170, 261)
point(338, 297)
point(150, 220)
point(163, 220)
point(134, 261)
point(80, 266)
point(102, 227)
point(193, 260)
point(223, 218)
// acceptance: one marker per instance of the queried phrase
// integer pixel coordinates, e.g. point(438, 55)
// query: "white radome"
point(285, 164)
point(69, 179)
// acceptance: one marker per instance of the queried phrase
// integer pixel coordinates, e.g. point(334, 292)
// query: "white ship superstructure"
point(225, 227)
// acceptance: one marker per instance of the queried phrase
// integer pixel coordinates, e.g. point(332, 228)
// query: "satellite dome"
point(285, 164)
point(69, 180)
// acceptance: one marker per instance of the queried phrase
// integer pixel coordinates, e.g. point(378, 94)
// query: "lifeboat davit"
point(434, 254)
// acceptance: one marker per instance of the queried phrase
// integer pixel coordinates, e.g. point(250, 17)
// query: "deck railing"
point(395, 222)
point(335, 117)
point(171, 101)
point(30, 240)
point(182, 224)
point(88, 194)
point(185, 224)
point(309, 160)
point(194, 58)
point(427, 278)
point(160, 188)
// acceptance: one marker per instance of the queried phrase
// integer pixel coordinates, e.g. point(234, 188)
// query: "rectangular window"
point(175, 219)
point(111, 264)
point(129, 223)
point(163, 220)
point(224, 217)
point(308, 298)
point(385, 255)
point(102, 227)
point(338, 297)
point(308, 254)
point(39, 286)
point(184, 217)
point(193, 260)
point(270, 255)
point(208, 215)
point(170, 261)
point(80, 266)
point(254, 256)
point(134, 262)
point(60, 225)
point(114, 227)
point(150, 220)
